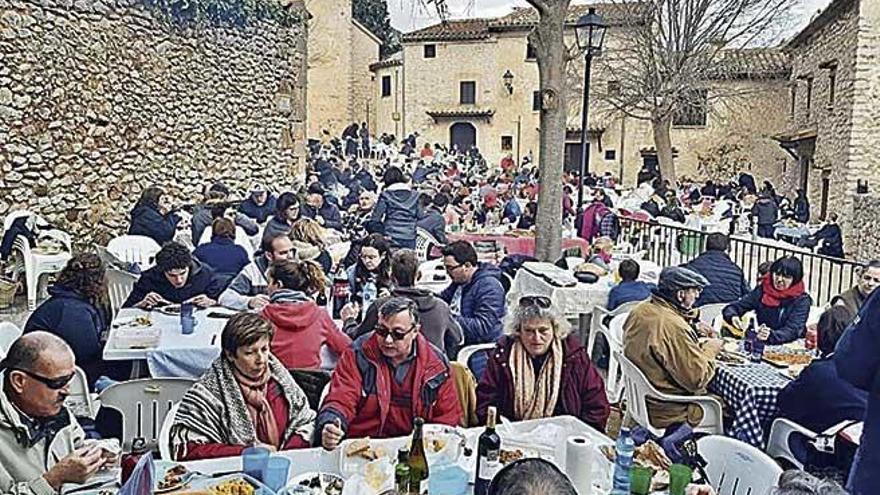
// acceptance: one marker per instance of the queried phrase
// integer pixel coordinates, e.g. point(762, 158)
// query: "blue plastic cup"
point(277, 470)
point(254, 461)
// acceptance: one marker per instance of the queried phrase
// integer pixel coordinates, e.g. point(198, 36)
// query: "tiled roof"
point(461, 112)
point(453, 30)
point(831, 12)
point(615, 14)
point(392, 61)
point(753, 63)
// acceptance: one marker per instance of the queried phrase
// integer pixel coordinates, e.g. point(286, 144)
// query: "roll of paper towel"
point(579, 463)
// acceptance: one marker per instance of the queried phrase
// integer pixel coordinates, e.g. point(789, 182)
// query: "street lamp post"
point(590, 32)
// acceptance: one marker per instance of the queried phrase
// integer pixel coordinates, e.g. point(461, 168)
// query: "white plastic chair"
point(36, 263)
point(637, 389)
point(465, 353)
point(613, 334)
point(424, 242)
point(81, 401)
point(119, 285)
point(737, 468)
point(9, 333)
point(241, 239)
point(134, 249)
point(778, 446)
point(165, 434)
point(144, 405)
point(708, 312)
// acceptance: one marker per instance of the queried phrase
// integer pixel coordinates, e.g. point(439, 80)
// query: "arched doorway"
point(463, 134)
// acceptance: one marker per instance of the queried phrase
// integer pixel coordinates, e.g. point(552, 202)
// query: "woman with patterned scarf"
point(246, 398)
point(539, 370)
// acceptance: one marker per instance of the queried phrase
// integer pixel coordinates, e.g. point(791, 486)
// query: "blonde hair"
point(309, 231)
point(515, 319)
point(602, 243)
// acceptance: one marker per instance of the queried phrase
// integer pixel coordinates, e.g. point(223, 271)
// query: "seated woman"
point(224, 257)
point(373, 266)
point(246, 398)
point(74, 312)
point(779, 301)
point(302, 326)
point(151, 217)
point(309, 231)
point(602, 250)
point(538, 370)
point(287, 212)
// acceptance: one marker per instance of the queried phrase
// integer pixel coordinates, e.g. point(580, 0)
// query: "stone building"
point(834, 104)
point(341, 50)
point(100, 99)
point(449, 85)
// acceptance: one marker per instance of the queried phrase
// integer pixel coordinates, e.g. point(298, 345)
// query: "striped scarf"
point(535, 398)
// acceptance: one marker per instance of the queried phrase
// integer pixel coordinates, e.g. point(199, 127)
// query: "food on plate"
point(319, 484)
point(436, 443)
point(731, 358)
point(235, 486)
point(508, 456)
point(173, 479)
point(788, 358)
point(143, 321)
point(361, 448)
point(608, 451)
point(171, 309)
point(651, 455)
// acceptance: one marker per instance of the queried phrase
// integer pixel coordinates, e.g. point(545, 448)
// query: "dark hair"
point(832, 217)
point(441, 200)
point(383, 271)
point(316, 188)
point(531, 477)
point(223, 227)
point(266, 244)
point(173, 256)
point(85, 274)
point(717, 242)
point(462, 252)
point(150, 197)
point(788, 266)
point(629, 270)
point(393, 175)
point(831, 325)
point(404, 266)
point(397, 305)
point(244, 329)
point(425, 200)
point(285, 201)
point(872, 264)
point(305, 276)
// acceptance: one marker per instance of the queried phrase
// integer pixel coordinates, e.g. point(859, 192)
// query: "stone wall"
point(100, 100)
point(864, 243)
point(364, 51)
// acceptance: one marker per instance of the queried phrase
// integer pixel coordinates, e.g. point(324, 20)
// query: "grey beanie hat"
point(676, 278)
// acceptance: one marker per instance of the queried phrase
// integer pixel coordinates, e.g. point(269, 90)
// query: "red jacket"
point(301, 328)
point(360, 392)
point(582, 391)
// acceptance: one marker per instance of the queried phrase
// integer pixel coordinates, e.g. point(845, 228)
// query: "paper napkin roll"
point(579, 463)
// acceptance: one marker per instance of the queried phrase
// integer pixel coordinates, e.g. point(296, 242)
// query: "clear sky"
point(406, 17)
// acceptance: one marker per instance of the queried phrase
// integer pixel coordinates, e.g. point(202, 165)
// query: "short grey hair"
point(515, 319)
point(794, 482)
point(397, 305)
point(531, 477)
point(26, 351)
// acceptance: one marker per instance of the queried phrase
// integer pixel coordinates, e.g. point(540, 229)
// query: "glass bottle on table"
point(418, 461)
point(488, 455)
point(401, 472)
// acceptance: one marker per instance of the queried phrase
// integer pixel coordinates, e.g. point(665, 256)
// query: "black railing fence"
point(669, 245)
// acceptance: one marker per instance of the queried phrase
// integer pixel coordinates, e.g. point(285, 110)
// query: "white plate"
point(170, 310)
point(295, 487)
point(388, 447)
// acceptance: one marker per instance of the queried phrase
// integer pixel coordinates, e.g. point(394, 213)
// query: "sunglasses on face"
point(384, 332)
point(52, 383)
point(539, 301)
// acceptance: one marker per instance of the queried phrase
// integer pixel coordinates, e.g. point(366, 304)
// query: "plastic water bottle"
point(625, 448)
point(370, 294)
point(187, 321)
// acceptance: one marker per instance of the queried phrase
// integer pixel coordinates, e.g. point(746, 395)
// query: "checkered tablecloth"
point(749, 392)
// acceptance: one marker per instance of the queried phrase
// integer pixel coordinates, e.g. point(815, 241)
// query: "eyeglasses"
point(52, 383)
point(539, 301)
point(384, 332)
point(450, 269)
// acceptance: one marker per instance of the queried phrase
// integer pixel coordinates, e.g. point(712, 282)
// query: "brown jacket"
point(659, 341)
point(466, 387)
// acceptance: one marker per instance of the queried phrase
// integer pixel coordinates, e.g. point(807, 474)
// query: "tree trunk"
point(663, 144)
point(549, 42)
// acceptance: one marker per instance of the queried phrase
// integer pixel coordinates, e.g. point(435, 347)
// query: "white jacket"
point(22, 469)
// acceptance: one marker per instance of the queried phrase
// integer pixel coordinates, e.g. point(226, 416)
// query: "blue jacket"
point(223, 256)
point(512, 211)
point(398, 210)
point(482, 305)
point(258, 213)
point(857, 358)
point(329, 212)
point(80, 323)
point(201, 280)
point(820, 399)
point(787, 322)
point(147, 221)
point(625, 292)
point(726, 280)
point(433, 221)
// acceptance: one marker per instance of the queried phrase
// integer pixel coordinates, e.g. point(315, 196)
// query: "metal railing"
point(670, 245)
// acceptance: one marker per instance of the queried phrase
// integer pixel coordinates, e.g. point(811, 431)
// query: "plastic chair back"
point(424, 242)
point(165, 434)
point(708, 312)
point(12, 215)
point(119, 285)
point(465, 355)
point(737, 468)
point(80, 400)
point(134, 249)
point(144, 405)
point(779, 446)
point(9, 333)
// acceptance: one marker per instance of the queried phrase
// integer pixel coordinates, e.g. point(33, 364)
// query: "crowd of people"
point(395, 342)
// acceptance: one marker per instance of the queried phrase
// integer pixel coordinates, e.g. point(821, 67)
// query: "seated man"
point(727, 283)
point(854, 298)
point(41, 444)
point(531, 477)
point(387, 379)
point(659, 341)
point(260, 205)
point(317, 208)
point(246, 398)
point(248, 289)
point(438, 325)
point(630, 287)
point(432, 219)
point(475, 296)
point(214, 207)
point(176, 278)
point(831, 237)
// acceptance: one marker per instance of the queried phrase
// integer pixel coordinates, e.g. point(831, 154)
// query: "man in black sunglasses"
point(40, 440)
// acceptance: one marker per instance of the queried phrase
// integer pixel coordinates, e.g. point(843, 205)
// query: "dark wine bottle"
point(418, 461)
point(488, 455)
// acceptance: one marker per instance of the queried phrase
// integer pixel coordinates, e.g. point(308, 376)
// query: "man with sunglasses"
point(855, 297)
point(389, 377)
point(475, 296)
point(41, 443)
